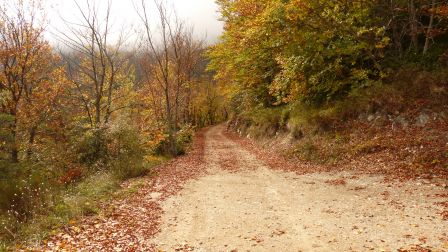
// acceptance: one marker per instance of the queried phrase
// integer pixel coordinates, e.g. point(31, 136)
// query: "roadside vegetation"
point(341, 79)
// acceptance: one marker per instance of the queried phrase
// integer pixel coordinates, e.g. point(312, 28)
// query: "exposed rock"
point(400, 121)
point(371, 118)
point(422, 119)
point(379, 119)
point(439, 116)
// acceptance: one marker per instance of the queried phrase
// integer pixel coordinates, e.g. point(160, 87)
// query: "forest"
point(101, 107)
point(338, 76)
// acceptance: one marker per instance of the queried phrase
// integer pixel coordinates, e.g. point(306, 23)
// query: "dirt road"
point(221, 197)
point(243, 205)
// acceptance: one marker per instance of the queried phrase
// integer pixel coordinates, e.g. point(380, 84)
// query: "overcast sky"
point(202, 14)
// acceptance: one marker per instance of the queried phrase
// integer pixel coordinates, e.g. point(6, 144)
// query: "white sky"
point(202, 14)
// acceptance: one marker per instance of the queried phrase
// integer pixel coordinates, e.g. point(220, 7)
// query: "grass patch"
point(78, 200)
point(262, 122)
point(71, 204)
point(367, 147)
point(321, 149)
point(307, 151)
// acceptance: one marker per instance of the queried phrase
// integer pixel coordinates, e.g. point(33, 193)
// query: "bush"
point(5, 136)
point(183, 138)
point(118, 149)
point(126, 153)
point(24, 188)
point(263, 122)
point(66, 206)
point(92, 149)
point(307, 151)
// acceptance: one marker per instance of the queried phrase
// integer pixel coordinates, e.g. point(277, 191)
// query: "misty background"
point(202, 15)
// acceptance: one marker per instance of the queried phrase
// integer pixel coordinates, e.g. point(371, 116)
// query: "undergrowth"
point(37, 196)
point(74, 202)
point(380, 118)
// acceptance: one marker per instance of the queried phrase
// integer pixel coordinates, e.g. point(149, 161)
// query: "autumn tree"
point(30, 78)
point(187, 52)
point(96, 63)
point(276, 52)
point(413, 25)
point(207, 106)
point(170, 57)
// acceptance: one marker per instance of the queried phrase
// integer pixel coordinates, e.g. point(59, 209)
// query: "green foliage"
point(261, 122)
point(6, 121)
point(119, 149)
point(285, 51)
point(66, 206)
point(126, 153)
point(83, 198)
point(39, 195)
point(184, 137)
point(24, 188)
point(307, 151)
point(92, 149)
point(367, 147)
point(323, 58)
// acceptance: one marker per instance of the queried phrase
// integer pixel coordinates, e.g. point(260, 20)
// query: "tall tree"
point(171, 55)
point(96, 63)
point(160, 54)
point(28, 70)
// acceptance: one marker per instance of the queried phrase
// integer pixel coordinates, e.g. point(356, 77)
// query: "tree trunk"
point(14, 145)
point(98, 112)
point(396, 33)
point(171, 130)
point(29, 151)
point(414, 27)
point(428, 31)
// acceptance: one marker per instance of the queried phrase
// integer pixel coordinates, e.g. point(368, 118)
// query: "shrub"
point(183, 138)
point(263, 122)
point(24, 187)
point(92, 148)
point(126, 153)
point(118, 148)
point(307, 151)
point(5, 136)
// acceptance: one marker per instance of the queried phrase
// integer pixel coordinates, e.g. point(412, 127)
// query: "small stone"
point(401, 121)
point(422, 120)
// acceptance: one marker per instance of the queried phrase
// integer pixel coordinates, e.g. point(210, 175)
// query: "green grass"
point(3, 247)
point(70, 205)
point(79, 200)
